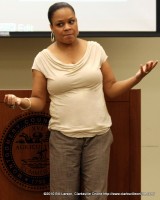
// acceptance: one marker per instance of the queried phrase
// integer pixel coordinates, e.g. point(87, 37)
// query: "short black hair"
point(53, 8)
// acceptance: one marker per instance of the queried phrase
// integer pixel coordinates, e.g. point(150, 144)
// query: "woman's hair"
point(56, 7)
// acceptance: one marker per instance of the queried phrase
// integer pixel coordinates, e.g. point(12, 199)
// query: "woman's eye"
point(72, 21)
point(60, 24)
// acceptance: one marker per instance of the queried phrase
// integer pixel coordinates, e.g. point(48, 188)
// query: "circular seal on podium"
point(24, 151)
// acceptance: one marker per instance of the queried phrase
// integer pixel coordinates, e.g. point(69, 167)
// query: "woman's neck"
point(67, 46)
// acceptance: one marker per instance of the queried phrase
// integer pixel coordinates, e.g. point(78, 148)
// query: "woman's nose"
point(67, 26)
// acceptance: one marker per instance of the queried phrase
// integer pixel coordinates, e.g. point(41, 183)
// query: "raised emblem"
point(24, 151)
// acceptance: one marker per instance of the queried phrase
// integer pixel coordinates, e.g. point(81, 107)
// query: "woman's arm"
point(114, 88)
point(37, 101)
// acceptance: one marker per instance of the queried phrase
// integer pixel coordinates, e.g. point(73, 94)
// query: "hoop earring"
point(52, 37)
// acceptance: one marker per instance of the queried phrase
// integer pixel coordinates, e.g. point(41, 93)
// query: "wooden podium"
point(24, 160)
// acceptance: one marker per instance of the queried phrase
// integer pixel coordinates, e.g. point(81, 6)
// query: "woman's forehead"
point(63, 13)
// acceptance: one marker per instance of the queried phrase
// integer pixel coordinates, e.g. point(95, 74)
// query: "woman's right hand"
point(12, 101)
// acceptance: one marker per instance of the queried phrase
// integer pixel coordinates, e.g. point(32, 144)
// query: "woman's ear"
point(51, 26)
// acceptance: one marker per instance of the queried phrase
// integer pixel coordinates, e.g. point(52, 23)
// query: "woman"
point(76, 74)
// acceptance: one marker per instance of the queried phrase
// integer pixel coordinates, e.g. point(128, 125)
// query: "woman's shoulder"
point(92, 43)
point(89, 42)
point(42, 52)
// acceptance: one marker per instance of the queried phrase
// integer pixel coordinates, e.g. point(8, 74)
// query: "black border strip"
point(84, 34)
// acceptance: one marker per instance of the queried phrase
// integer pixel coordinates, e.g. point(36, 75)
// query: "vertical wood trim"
point(135, 143)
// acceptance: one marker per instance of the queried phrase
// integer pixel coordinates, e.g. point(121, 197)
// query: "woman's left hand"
point(145, 69)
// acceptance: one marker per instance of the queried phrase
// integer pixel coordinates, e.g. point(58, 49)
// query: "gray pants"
point(79, 166)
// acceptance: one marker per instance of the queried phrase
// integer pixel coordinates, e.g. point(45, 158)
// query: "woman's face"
point(64, 26)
